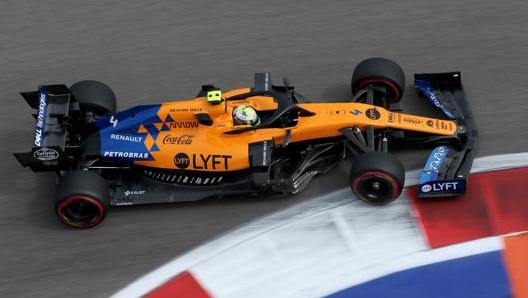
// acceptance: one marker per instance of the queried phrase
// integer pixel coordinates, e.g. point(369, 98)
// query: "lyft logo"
point(445, 186)
point(440, 186)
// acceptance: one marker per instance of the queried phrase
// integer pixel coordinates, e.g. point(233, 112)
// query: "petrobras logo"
point(129, 155)
point(41, 118)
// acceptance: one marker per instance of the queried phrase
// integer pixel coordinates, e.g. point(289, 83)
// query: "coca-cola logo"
point(177, 140)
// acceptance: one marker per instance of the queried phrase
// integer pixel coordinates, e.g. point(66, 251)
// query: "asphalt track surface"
point(152, 51)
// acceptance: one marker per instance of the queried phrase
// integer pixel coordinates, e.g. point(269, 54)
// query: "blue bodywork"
point(123, 134)
point(447, 169)
point(433, 96)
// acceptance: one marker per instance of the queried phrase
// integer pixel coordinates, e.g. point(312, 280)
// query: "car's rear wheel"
point(94, 96)
point(82, 199)
point(377, 177)
point(380, 72)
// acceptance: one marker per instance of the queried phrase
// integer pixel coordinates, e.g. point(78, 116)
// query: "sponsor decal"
point(181, 160)
point(202, 161)
point(178, 140)
point(391, 117)
point(444, 186)
point(41, 117)
point(412, 120)
point(175, 110)
point(355, 112)
point(442, 124)
point(434, 99)
point(426, 188)
point(183, 124)
point(372, 114)
point(212, 161)
point(128, 138)
point(113, 121)
point(264, 153)
point(436, 160)
point(46, 154)
point(267, 81)
point(120, 154)
point(135, 192)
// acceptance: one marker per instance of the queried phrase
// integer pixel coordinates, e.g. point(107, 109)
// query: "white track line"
point(282, 252)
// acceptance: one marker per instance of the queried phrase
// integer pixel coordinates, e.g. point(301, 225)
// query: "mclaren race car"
point(195, 149)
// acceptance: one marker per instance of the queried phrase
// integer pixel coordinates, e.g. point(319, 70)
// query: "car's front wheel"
point(380, 72)
point(377, 177)
point(82, 199)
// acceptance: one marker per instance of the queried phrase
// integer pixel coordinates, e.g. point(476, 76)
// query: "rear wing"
point(447, 169)
point(52, 104)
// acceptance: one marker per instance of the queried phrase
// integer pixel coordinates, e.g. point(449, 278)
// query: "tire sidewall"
point(380, 71)
point(86, 187)
point(94, 96)
point(360, 181)
point(377, 164)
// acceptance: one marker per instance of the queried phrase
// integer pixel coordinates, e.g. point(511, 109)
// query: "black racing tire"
point(82, 199)
point(380, 72)
point(94, 96)
point(377, 177)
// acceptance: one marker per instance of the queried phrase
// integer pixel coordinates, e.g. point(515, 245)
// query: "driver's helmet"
point(245, 114)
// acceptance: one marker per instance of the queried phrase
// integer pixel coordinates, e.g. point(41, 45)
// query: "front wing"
point(447, 169)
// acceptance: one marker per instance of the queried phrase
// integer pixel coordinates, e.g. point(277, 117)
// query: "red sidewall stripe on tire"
point(391, 85)
point(391, 180)
point(72, 199)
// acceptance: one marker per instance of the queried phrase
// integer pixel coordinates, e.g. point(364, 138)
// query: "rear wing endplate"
point(52, 103)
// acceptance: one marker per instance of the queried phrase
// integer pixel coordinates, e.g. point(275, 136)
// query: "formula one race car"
point(276, 143)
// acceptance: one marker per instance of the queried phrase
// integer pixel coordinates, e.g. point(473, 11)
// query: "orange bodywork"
point(193, 146)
